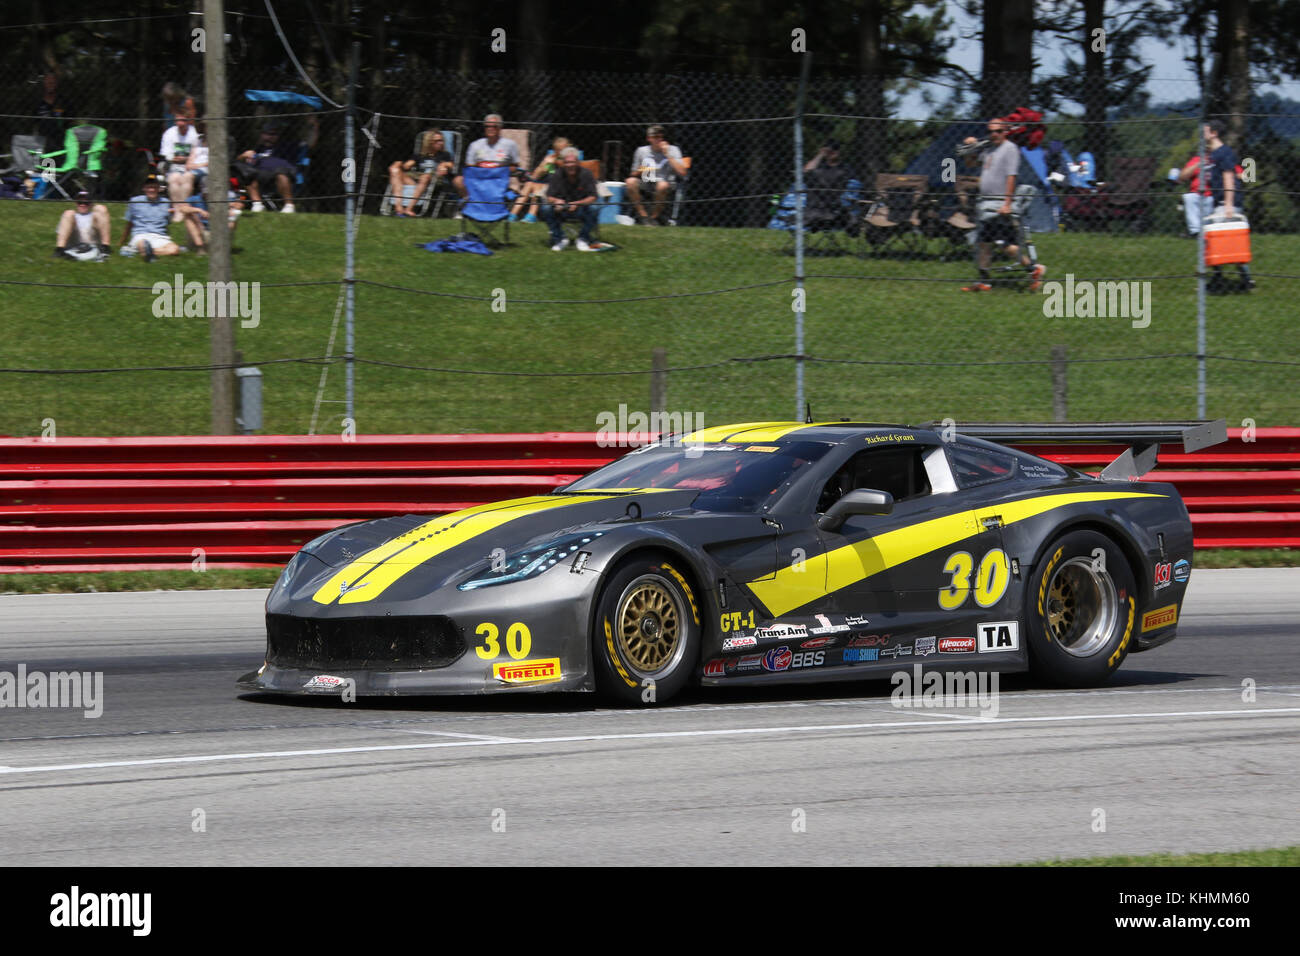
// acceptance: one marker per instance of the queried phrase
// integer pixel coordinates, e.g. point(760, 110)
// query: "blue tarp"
point(282, 96)
point(461, 245)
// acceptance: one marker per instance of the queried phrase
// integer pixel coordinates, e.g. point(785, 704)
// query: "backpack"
point(1025, 126)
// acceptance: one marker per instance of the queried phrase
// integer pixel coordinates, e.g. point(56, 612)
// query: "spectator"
point(432, 160)
point(1222, 179)
point(196, 215)
point(827, 176)
point(273, 163)
point(570, 194)
point(197, 164)
point(87, 227)
point(51, 109)
point(996, 222)
point(535, 188)
point(177, 143)
point(491, 150)
point(176, 102)
point(147, 216)
point(656, 168)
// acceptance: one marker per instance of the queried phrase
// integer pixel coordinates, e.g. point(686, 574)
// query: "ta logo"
point(999, 636)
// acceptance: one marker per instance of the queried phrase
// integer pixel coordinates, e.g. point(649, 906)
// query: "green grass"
point(847, 318)
point(1248, 558)
point(1284, 856)
point(211, 579)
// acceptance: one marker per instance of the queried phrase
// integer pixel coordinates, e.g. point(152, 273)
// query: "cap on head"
point(82, 196)
point(832, 144)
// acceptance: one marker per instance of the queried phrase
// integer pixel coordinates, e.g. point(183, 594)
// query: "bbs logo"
point(999, 636)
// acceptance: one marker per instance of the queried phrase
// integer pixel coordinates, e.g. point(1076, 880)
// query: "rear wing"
point(1143, 438)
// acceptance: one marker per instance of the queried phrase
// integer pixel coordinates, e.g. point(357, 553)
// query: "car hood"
point(366, 559)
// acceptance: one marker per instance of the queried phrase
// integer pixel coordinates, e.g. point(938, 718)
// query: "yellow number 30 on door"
point(991, 579)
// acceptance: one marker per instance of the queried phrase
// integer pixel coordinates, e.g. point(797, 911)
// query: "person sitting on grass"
point(87, 227)
point(432, 160)
point(570, 194)
point(535, 186)
point(195, 211)
point(147, 216)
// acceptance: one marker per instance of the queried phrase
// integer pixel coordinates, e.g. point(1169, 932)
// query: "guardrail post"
point(659, 379)
point(1059, 388)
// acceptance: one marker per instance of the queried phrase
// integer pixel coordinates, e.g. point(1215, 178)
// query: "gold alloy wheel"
point(1082, 607)
point(650, 636)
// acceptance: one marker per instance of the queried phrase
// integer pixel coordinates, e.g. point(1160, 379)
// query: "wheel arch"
point(1122, 537)
point(662, 548)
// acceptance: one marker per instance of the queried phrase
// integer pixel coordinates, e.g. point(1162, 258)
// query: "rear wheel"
point(647, 639)
point(1080, 611)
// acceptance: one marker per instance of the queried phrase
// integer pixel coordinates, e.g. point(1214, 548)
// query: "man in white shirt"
point(177, 144)
point(656, 168)
point(492, 150)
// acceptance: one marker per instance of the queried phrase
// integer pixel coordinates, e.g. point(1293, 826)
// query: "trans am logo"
point(777, 659)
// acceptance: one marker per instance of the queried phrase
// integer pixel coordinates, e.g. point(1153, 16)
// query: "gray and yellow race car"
point(753, 554)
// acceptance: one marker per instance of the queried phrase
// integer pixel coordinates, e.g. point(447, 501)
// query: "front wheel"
point(647, 637)
point(1082, 602)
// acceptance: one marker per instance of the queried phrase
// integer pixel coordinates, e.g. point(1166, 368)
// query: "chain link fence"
point(717, 316)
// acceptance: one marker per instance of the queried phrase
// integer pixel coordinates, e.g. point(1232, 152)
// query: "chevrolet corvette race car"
point(754, 554)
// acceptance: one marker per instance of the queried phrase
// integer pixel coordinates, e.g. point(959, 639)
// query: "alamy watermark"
point(1086, 299)
point(934, 689)
point(624, 429)
point(38, 689)
point(205, 300)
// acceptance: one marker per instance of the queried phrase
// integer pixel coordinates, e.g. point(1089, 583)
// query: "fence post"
point(1059, 385)
point(659, 379)
point(800, 303)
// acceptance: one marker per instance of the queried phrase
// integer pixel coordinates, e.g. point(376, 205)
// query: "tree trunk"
point(1008, 55)
point(1094, 83)
point(1234, 24)
point(869, 142)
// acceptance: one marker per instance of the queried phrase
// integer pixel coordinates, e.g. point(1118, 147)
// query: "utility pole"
point(221, 327)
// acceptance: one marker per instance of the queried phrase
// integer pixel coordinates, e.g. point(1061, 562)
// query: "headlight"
point(531, 561)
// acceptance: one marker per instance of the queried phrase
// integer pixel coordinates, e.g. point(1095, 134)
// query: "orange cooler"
point(1227, 243)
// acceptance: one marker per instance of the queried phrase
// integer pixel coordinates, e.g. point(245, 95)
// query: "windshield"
point(729, 477)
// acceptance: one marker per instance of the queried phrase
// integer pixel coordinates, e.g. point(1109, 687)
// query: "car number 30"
point(518, 641)
point(991, 579)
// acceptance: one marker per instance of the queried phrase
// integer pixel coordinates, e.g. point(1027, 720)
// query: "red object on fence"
point(89, 504)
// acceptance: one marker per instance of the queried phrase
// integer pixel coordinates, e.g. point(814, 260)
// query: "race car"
point(756, 553)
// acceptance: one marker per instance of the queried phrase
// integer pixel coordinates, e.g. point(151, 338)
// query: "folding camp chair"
point(896, 210)
point(487, 206)
point(959, 224)
point(437, 192)
point(82, 155)
point(1127, 194)
point(24, 153)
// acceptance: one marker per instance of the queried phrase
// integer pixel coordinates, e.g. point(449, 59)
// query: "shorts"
point(993, 226)
point(156, 242)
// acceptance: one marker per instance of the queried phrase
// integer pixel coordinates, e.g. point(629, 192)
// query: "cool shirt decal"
point(852, 563)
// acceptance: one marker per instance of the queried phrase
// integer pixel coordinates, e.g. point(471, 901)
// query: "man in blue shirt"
point(1222, 166)
point(147, 216)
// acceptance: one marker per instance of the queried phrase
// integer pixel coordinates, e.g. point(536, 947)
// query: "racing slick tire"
point(646, 640)
point(1080, 610)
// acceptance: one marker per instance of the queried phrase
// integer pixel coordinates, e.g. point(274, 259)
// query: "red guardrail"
point(143, 503)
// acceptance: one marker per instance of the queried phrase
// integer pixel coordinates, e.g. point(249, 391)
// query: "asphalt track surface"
point(1169, 751)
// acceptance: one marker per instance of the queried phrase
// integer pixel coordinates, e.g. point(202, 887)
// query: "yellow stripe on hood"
point(847, 565)
point(371, 573)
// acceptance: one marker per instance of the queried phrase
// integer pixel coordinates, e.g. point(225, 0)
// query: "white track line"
point(666, 734)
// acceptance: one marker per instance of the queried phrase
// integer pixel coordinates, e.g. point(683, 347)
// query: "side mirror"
point(864, 501)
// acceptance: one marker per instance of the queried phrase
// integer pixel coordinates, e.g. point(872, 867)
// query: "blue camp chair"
point(487, 206)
